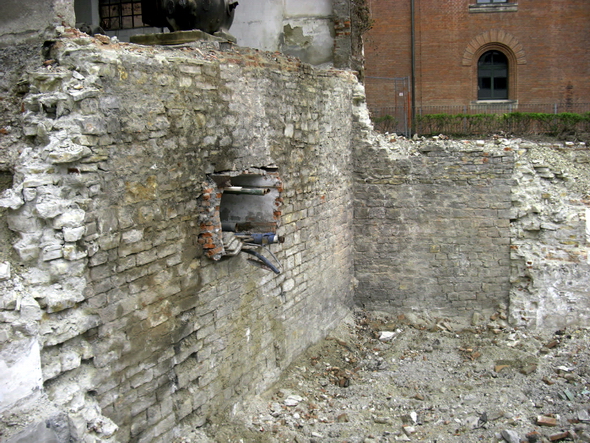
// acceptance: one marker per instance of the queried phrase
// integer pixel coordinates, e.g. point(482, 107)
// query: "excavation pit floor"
point(380, 378)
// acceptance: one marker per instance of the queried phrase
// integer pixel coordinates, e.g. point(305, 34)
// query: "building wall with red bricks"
point(546, 43)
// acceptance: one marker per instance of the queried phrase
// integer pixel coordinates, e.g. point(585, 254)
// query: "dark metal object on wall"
point(183, 15)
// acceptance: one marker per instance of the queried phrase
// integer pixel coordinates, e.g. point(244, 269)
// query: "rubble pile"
point(380, 378)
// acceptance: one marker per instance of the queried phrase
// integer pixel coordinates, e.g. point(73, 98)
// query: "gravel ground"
point(379, 378)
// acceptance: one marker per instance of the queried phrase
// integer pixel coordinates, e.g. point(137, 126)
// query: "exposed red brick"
point(545, 70)
point(544, 420)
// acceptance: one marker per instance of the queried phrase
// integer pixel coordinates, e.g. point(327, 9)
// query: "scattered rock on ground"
point(432, 381)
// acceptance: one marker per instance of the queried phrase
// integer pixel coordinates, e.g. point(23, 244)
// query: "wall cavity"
point(238, 202)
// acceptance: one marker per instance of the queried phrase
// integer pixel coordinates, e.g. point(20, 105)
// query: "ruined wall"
point(34, 19)
point(550, 267)
point(453, 228)
point(121, 320)
point(432, 229)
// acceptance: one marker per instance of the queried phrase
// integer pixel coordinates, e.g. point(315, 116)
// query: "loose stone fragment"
point(583, 415)
point(528, 369)
point(559, 436)
point(382, 420)
point(409, 430)
point(293, 400)
point(533, 437)
point(343, 418)
point(4, 271)
point(544, 420)
point(386, 335)
point(510, 436)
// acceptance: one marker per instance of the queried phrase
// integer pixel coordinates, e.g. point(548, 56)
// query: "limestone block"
point(103, 426)
point(30, 311)
point(11, 198)
point(73, 234)
point(65, 325)
point(72, 252)
point(20, 372)
point(50, 363)
point(27, 248)
point(61, 268)
point(37, 180)
point(58, 297)
point(71, 218)
point(66, 151)
point(70, 359)
point(81, 94)
point(132, 236)
point(49, 206)
point(51, 252)
point(23, 220)
point(4, 271)
point(29, 194)
point(92, 125)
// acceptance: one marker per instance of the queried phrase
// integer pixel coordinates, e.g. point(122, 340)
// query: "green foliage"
point(520, 123)
point(385, 123)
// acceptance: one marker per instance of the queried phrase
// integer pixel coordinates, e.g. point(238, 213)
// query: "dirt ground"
point(379, 378)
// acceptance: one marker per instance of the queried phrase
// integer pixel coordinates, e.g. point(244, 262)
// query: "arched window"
point(492, 76)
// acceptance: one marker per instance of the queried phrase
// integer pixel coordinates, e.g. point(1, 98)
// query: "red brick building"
point(474, 54)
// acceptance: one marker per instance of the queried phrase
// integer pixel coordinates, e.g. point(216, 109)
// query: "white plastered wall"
point(308, 24)
point(302, 28)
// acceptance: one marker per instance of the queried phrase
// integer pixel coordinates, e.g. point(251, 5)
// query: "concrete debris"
point(4, 271)
point(386, 335)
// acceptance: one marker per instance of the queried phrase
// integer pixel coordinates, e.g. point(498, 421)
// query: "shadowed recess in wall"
point(5, 180)
point(237, 208)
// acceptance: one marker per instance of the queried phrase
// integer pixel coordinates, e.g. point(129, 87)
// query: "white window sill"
point(494, 102)
point(494, 7)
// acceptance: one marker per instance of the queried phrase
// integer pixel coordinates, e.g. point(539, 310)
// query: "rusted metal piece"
point(182, 15)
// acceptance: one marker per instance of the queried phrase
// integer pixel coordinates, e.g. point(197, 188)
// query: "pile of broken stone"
point(380, 378)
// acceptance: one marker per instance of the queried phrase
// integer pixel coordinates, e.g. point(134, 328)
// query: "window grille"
point(492, 73)
point(120, 14)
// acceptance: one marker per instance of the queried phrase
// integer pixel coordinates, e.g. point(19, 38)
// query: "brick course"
point(545, 41)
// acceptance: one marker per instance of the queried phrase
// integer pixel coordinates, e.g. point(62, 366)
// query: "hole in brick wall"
point(250, 202)
point(239, 208)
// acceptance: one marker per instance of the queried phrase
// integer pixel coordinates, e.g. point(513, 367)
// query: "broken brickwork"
point(210, 228)
point(113, 305)
point(116, 324)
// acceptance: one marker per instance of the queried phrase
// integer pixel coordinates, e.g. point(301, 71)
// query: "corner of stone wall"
point(550, 240)
point(49, 207)
point(111, 303)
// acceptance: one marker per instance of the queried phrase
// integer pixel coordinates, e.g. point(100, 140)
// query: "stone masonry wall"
point(457, 228)
point(550, 269)
point(432, 228)
point(119, 318)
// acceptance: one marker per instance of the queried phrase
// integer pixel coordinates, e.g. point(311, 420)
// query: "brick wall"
point(548, 40)
point(137, 327)
point(432, 230)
